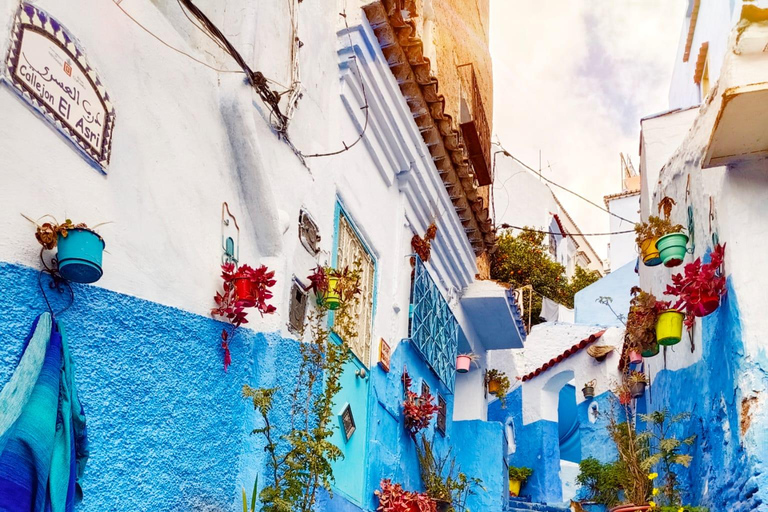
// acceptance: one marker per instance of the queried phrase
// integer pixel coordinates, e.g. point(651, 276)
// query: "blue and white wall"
point(718, 371)
point(168, 428)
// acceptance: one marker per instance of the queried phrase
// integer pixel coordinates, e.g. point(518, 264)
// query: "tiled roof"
point(404, 51)
point(627, 193)
point(691, 29)
point(701, 60)
point(560, 225)
point(565, 355)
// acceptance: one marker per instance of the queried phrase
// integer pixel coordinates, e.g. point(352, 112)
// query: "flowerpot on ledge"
point(650, 253)
point(651, 351)
point(589, 392)
point(669, 328)
point(514, 487)
point(672, 248)
point(462, 363)
point(80, 255)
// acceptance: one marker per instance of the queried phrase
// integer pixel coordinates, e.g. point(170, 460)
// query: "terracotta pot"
point(493, 386)
point(635, 357)
point(706, 306)
point(463, 363)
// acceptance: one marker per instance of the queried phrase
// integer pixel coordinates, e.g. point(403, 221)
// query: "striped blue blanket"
point(43, 443)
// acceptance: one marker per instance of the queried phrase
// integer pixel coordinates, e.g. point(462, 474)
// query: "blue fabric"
point(42, 427)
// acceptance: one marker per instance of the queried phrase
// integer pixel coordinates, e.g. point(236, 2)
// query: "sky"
point(573, 78)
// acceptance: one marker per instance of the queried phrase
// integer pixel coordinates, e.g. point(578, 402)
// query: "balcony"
point(475, 131)
point(434, 329)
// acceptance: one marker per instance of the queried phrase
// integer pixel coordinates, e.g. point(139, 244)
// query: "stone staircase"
point(524, 504)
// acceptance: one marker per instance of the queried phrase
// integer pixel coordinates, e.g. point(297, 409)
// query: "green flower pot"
point(652, 351)
point(669, 328)
point(672, 249)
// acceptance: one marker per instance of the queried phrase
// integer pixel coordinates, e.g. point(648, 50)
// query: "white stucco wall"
point(522, 199)
point(622, 248)
point(188, 138)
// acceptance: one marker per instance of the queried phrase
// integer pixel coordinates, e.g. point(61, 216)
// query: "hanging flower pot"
point(650, 253)
point(651, 351)
point(332, 298)
point(462, 364)
point(80, 253)
point(637, 389)
point(635, 357)
point(442, 505)
point(243, 285)
point(672, 248)
point(706, 306)
point(669, 328)
point(588, 390)
point(493, 386)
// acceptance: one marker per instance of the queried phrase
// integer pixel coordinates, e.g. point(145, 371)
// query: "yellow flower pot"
point(514, 487)
point(494, 386)
point(669, 327)
point(332, 299)
point(650, 253)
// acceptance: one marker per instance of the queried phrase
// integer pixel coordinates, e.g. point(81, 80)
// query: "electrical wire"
point(508, 226)
point(507, 153)
point(145, 29)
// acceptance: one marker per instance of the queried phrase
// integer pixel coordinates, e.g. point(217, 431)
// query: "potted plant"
point(418, 410)
point(463, 361)
point(637, 382)
point(623, 393)
point(517, 477)
point(332, 286)
point(498, 384)
point(230, 306)
point(393, 498)
point(673, 245)
point(589, 389)
point(640, 333)
point(669, 328)
point(80, 249)
point(699, 288)
point(647, 235)
point(444, 483)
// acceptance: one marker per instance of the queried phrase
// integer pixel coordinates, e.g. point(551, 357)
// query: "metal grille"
point(442, 413)
point(352, 250)
point(298, 309)
point(434, 329)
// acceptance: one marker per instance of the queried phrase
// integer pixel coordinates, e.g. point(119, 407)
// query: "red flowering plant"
point(393, 498)
point(346, 287)
point(699, 287)
point(418, 410)
point(231, 306)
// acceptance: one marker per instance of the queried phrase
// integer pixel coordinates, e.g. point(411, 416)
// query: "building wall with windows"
point(187, 139)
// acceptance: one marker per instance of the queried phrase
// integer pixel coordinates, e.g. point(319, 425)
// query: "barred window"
point(442, 411)
point(352, 250)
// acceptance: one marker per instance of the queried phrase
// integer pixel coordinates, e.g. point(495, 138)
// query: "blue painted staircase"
point(524, 504)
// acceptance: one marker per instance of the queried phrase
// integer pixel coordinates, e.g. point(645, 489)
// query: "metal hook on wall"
point(230, 246)
point(58, 284)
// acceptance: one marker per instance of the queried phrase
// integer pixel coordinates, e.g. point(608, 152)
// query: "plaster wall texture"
point(622, 248)
point(617, 286)
point(521, 198)
point(726, 364)
point(187, 139)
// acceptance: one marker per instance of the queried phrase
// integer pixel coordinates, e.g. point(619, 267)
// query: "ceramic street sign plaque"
point(48, 69)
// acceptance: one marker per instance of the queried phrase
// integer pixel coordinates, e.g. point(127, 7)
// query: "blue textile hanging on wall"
point(43, 444)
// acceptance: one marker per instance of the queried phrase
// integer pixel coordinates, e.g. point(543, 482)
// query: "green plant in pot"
point(445, 484)
point(637, 382)
point(640, 333)
point(600, 482)
point(672, 245)
point(498, 385)
point(647, 235)
point(517, 478)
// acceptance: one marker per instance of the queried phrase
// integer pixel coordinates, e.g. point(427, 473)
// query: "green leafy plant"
point(600, 482)
point(636, 377)
point(666, 451)
point(520, 474)
point(442, 480)
point(524, 260)
point(644, 311)
point(655, 227)
point(299, 462)
point(253, 497)
point(503, 385)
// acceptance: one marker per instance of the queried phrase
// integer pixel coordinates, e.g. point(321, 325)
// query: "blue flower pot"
point(672, 248)
point(80, 255)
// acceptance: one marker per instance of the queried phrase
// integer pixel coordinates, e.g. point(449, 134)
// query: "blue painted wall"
point(616, 285)
point(595, 441)
point(568, 425)
point(729, 469)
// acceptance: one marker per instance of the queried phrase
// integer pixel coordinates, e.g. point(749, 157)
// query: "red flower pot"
point(706, 306)
point(243, 288)
point(631, 508)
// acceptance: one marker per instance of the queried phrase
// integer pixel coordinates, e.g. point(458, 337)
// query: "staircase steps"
point(524, 504)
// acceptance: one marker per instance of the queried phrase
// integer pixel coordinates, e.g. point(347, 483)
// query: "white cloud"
point(572, 78)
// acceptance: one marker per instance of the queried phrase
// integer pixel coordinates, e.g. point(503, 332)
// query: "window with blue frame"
point(350, 252)
point(434, 330)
